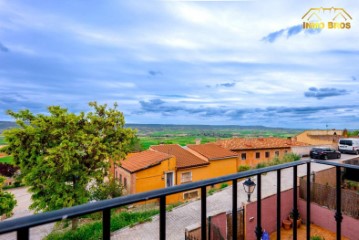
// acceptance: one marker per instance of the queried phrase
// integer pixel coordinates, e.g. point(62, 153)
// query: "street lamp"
point(249, 187)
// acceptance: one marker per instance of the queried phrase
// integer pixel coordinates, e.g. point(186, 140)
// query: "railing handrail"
point(87, 208)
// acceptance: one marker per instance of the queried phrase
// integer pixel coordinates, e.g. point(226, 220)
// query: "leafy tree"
point(353, 133)
point(7, 200)
point(60, 153)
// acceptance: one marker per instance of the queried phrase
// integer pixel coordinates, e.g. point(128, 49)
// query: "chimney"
point(198, 141)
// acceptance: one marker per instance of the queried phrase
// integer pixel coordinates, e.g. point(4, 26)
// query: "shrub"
point(93, 231)
point(316, 237)
point(106, 190)
point(211, 191)
point(261, 165)
point(223, 185)
point(290, 157)
point(243, 168)
point(275, 161)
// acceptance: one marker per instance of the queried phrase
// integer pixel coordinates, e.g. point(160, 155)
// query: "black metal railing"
point(22, 225)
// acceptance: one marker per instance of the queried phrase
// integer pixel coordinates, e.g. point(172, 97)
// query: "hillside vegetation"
point(154, 134)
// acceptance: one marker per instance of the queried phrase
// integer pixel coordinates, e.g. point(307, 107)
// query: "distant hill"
point(155, 130)
point(158, 127)
point(152, 128)
point(6, 124)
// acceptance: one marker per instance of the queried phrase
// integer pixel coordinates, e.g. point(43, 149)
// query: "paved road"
point(23, 198)
point(189, 215)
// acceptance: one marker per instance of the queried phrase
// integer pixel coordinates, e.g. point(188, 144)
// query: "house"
point(167, 165)
point(252, 151)
point(189, 167)
point(222, 161)
point(145, 171)
point(321, 137)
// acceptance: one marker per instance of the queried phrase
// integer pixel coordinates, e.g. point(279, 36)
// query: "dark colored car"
point(324, 153)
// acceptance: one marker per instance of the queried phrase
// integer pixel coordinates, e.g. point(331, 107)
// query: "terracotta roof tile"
point(183, 157)
point(212, 151)
point(142, 160)
point(258, 143)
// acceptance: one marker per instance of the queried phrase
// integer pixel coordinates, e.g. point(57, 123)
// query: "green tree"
point(7, 200)
point(353, 133)
point(60, 153)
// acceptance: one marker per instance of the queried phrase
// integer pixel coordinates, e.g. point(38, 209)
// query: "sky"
point(182, 62)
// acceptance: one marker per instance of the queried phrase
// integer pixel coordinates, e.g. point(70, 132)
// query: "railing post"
point(234, 210)
point(308, 200)
point(295, 203)
point(23, 234)
point(338, 215)
point(163, 218)
point(203, 213)
point(278, 204)
point(106, 224)
point(259, 231)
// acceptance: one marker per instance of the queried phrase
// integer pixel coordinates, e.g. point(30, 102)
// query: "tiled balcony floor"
point(315, 230)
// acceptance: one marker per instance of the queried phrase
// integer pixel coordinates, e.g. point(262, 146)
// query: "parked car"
point(349, 145)
point(324, 153)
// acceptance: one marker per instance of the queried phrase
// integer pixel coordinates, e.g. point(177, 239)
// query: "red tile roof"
point(142, 160)
point(212, 151)
point(184, 158)
point(258, 143)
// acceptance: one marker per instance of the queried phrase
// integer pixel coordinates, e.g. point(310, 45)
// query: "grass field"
point(146, 142)
point(2, 140)
point(7, 159)
point(183, 135)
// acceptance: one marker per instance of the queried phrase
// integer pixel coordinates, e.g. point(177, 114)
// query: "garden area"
point(289, 157)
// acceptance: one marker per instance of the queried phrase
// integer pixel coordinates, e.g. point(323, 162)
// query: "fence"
point(219, 227)
point(325, 195)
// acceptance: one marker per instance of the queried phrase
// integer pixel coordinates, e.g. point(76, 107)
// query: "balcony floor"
point(315, 230)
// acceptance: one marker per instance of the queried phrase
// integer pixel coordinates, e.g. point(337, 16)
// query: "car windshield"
point(346, 142)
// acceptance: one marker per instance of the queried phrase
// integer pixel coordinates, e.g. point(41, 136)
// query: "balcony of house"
point(282, 201)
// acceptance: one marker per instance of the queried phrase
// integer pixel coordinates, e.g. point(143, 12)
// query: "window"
point(258, 155)
point(267, 154)
point(244, 156)
point(189, 195)
point(125, 182)
point(116, 175)
point(276, 153)
point(121, 178)
point(285, 151)
point(169, 179)
point(186, 177)
point(346, 142)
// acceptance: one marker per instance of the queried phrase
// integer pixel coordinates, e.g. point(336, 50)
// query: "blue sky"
point(181, 62)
